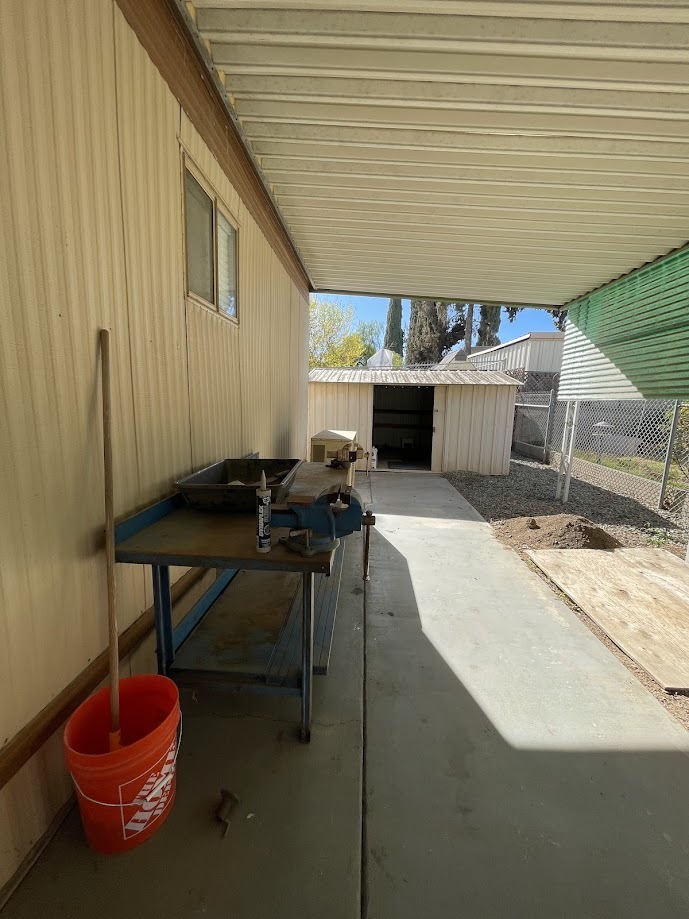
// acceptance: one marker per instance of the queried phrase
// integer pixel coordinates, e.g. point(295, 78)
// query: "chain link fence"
point(533, 419)
point(535, 381)
point(636, 448)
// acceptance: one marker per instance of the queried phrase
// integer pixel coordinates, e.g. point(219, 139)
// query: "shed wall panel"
point(344, 407)
point(438, 444)
point(478, 429)
point(476, 422)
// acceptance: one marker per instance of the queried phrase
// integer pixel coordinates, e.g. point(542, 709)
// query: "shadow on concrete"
point(294, 843)
point(484, 806)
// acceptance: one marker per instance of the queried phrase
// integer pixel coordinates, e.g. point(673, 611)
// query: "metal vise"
point(318, 526)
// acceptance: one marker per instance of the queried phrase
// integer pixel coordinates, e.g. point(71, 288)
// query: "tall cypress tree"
point(488, 326)
point(434, 327)
point(394, 339)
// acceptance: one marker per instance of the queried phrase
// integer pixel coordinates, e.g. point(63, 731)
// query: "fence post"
point(566, 464)
point(563, 460)
point(668, 455)
point(548, 424)
point(570, 456)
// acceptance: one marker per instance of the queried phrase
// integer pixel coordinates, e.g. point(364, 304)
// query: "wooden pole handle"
point(113, 651)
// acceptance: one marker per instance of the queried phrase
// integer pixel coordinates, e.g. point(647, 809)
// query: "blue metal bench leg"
point(162, 605)
point(306, 657)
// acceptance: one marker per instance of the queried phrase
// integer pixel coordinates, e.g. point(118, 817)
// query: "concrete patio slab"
point(514, 767)
point(294, 844)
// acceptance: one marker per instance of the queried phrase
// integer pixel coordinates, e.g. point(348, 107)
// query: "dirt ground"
point(561, 531)
point(525, 515)
point(529, 490)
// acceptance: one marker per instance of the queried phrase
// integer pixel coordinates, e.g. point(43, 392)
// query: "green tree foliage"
point(434, 327)
point(559, 317)
point(394, 337)
point(371, 333)
point(488, 326)
point(333, 340)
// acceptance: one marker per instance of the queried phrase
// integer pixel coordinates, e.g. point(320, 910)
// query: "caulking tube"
point(263, 516)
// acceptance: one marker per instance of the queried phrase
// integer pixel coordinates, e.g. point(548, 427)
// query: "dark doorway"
point(403, 426)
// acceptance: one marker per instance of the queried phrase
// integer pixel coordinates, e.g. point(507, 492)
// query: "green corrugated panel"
point(640, 323)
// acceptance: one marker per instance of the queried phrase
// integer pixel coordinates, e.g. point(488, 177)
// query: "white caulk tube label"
point(263, 516)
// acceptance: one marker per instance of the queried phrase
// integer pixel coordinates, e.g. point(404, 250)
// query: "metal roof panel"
point(520, 152)
point(411, 377)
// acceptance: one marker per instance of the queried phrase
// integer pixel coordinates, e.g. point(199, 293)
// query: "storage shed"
point(420, 419)
point(537, 352)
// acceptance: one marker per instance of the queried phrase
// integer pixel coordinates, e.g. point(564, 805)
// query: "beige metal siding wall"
point(299, 354)
point(148, 120)
point(91, 236)
point(271, 324)
point(478, 429)
point(630, 339)
point(62, 276)
point(587, 371)
point(513, 357)
point(344, 407)
point(545, 355)
point(214, 387)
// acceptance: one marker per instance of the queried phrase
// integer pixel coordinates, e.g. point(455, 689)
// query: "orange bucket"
point(126, 794)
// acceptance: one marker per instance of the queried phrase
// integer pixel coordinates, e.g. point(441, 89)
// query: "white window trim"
point(219, 204)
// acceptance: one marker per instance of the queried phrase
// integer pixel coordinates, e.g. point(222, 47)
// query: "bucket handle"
point(156, 788)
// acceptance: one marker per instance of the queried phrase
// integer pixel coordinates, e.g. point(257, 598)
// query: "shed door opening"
point(403, 426)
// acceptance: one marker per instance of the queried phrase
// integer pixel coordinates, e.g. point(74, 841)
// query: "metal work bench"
point(171, 533)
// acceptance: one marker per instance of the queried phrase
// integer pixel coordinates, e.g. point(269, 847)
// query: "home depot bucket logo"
point(152, 797)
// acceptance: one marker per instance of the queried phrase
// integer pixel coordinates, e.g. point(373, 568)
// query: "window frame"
point(219, 205)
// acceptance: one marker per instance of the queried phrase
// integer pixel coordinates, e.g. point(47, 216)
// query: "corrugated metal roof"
point(411, 377)
point(497, 151)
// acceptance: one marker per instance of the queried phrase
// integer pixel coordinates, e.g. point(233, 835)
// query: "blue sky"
point(375, 308)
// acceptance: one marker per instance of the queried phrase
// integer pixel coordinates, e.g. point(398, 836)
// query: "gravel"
point(529, 491)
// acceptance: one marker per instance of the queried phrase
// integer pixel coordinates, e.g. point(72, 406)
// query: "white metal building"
point(539, 352)
point(445, 420)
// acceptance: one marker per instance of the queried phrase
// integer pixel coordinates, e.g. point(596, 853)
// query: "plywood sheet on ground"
point(639, 597)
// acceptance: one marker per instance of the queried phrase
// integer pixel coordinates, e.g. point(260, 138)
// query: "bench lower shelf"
point(250, 638)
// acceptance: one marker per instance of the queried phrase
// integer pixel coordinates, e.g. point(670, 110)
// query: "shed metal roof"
point(411, 377)
point(513, 152)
